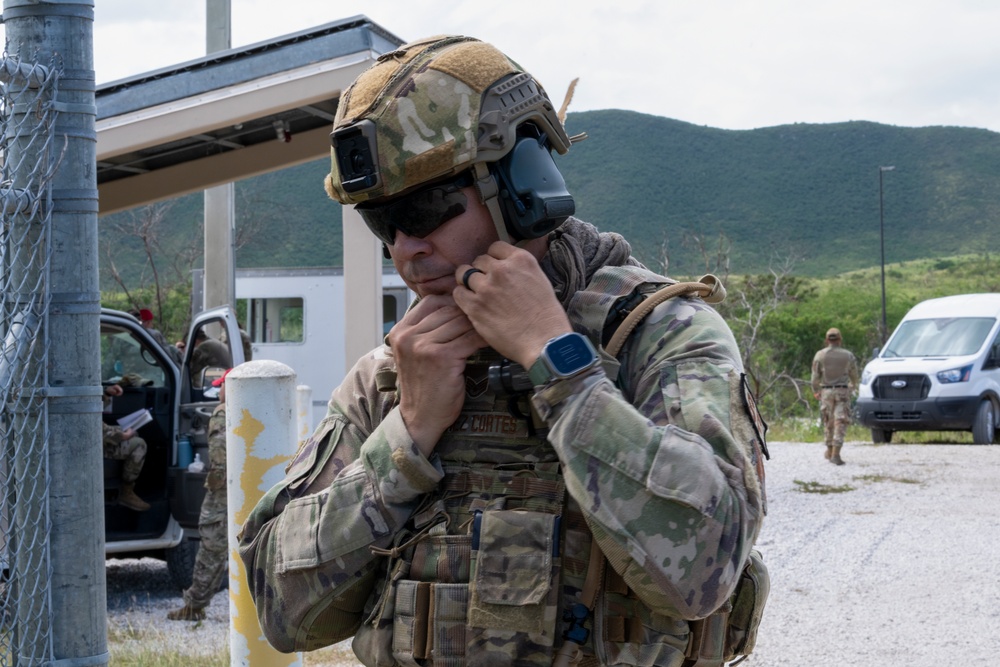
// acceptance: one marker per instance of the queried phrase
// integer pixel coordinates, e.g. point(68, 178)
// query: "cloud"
point(723, 63)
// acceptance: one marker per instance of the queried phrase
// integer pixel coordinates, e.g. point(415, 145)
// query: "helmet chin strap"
point(488, 190)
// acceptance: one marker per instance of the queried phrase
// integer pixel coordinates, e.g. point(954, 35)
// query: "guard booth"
point(299, 317)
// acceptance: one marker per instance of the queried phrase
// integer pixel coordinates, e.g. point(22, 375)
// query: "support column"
point(220, 201)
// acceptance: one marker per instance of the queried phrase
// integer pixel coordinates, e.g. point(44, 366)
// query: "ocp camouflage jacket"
point(481, 550)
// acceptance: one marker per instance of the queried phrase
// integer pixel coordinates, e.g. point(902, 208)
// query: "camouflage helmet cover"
point(435, 107)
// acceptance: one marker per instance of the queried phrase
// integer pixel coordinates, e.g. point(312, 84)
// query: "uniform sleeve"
point(352, 486)
point(665, 472)
point(216, 478)
point(817, 371)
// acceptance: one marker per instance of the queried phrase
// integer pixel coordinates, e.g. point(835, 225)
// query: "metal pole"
point(220, 204)
point(303, 401)
point(61, 32)
point(260, 439)
point(362, 287)
point(881, 236)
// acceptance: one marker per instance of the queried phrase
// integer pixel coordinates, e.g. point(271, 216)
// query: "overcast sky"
point(735, 64)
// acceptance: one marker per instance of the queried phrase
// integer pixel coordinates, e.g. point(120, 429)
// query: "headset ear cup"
point(532, 193)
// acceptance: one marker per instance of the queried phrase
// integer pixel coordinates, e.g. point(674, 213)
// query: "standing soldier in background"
point(835, 372)
point(210, 564)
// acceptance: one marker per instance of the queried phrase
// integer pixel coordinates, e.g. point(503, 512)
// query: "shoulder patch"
point(759, 446)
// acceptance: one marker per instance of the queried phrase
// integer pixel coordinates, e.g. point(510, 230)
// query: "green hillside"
point(810, 192)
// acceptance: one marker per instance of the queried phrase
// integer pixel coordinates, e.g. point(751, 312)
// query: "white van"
point(940, 371)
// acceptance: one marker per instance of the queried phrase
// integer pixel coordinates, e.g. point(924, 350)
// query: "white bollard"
point(260, 439)
point(304, 399)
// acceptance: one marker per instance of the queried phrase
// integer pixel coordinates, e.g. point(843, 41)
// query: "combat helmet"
point(445, 106)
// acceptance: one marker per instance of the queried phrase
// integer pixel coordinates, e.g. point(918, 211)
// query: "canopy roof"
point(229, 115)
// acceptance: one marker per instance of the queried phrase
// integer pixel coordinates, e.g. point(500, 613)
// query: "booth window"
point(274, 320)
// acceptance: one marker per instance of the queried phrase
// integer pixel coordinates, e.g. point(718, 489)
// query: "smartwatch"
point(563, 357)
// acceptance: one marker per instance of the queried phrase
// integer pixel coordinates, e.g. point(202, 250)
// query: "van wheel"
point(180, 563)
point(881, 436)
point(984, 426)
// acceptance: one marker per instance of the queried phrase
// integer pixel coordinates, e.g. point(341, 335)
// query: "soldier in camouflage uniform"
point(452, 509)
point(213, 552)
point(834, 379)
point(124, 445)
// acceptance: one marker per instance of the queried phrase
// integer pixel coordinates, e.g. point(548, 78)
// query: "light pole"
point(881, 241)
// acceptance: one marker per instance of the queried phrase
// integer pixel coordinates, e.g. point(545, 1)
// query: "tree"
point(751, 305)
point(159, 279)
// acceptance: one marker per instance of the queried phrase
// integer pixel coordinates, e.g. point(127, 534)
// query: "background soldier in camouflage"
point(213, 552)
point(834, 380)
point(145, 315)
point(124, 445)
point(208, 353)
point(442, 518)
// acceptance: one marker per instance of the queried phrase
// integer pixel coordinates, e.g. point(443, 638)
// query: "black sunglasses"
point(418, 213)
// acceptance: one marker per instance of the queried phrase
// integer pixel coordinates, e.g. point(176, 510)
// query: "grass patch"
point(800, 429)
point(810, 430)
point(823, 489)
point(140, 656)
point(134, 646)
point(885, 478)
point(932, 438)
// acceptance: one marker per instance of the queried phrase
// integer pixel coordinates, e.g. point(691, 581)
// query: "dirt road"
point(892, 559)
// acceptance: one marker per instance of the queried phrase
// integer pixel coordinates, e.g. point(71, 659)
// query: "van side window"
point(993, 358)
point(274, 320)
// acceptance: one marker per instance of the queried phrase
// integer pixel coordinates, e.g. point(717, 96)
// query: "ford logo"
point(898, 384)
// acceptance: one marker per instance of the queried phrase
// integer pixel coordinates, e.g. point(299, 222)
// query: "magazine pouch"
point(748, 607)
point(429, 618)
point(730, 632)
point(514, 587)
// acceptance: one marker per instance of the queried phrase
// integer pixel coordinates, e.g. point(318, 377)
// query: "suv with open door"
point(180, 400)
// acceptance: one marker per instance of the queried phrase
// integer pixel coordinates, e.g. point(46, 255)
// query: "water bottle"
point(197, 465)
point(184, 452)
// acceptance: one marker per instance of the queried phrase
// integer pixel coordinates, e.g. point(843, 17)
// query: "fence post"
point(66, 550)
point(260, 439)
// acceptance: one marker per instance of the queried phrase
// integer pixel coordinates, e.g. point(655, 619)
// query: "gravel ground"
point(889, 560)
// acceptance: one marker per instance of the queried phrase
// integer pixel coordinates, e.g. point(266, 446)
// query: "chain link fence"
point(29, 153)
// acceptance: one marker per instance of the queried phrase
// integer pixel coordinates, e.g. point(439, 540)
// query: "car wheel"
point(180, 563)
point(881, 436)
point(984, 426)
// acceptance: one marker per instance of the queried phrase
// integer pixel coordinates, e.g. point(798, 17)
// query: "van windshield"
point(939, 337)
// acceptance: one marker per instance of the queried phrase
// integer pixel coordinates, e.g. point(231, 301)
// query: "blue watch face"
point(569, 354)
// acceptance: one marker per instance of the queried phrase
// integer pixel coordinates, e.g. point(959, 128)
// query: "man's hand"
point(431, 344)
point(128, 434)
point(511, 303)
point(113, 390)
